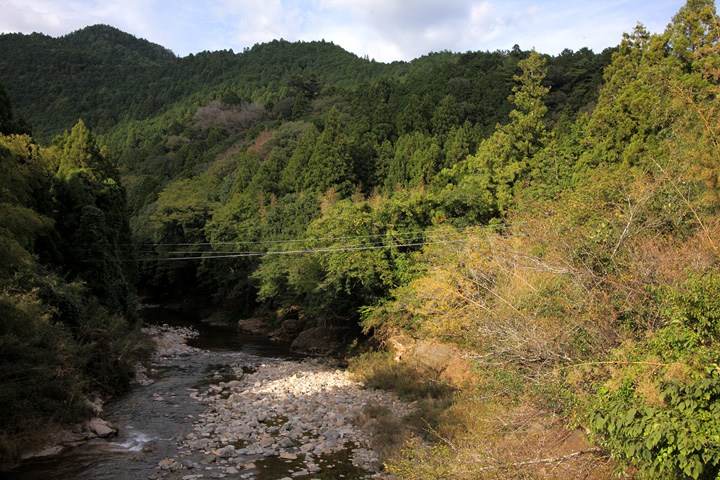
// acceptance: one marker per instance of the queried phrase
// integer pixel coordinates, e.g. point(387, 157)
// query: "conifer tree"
point(78, 150)
point(92, 217)
point(506, 157)
point(292, 177)
point(329, 164)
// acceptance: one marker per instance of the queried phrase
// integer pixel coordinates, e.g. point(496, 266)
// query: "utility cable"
point(303, 251)
point(292, 240)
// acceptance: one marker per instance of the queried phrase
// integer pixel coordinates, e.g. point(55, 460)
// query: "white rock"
point(99, 427)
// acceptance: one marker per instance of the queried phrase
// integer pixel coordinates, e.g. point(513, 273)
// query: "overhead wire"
point(321, 239)
point(310, 239)
point(345, 248)
point(428, 234)
point(352, 243)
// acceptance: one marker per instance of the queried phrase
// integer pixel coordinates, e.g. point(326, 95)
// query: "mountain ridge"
point(53, 81)
point(106, 76)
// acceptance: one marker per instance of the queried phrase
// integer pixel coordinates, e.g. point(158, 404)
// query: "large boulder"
point(448, 361)
point(99, 427)
point(288, 331)
point(252, 326)
point(324, 341)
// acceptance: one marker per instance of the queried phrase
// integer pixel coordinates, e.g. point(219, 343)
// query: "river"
point(191, 422)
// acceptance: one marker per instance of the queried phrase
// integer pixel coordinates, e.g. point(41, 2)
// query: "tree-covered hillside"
point(552, 218)
point(108, 77)
point(68, 327)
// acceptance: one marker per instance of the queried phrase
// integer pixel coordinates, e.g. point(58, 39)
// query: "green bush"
point(677, 433)
point(696, 305)
point(679, 439)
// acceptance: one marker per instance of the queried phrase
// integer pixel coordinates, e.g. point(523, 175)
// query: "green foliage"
point(8, 124)
point(25, 177)
point(674, 432)
point(696, 306)
point(79, 151)
point(38, 374)
point(292, 178)
point(94, 242)
point(417, 160)
point(677, 439)
point(694, 35)
point(59, 342)
point(503, 161)
point(328, 165)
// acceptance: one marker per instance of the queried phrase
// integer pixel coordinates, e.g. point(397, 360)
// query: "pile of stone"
point(295, 418)
point(171, 341)
point(297, 415)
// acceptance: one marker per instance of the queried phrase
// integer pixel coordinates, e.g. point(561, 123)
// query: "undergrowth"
point(48, 369)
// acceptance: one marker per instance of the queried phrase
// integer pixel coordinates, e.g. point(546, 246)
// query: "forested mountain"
point(189, 133)
point(108, 77)
point(555, 217)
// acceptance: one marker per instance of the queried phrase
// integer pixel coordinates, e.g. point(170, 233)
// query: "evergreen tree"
point(8, 123)
point(328, 166)
point(78, 150)
point(92, 218)
point(292, 179)
point(506, 157)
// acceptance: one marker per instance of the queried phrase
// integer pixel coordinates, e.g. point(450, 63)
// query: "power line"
point(408, 239)
point(429, 234)
point(311, 250)
point(321, 239)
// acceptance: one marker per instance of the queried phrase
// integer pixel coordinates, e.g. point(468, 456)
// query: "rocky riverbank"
point(274, 418)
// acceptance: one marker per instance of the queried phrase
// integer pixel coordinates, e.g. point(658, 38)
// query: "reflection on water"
point(153, 420)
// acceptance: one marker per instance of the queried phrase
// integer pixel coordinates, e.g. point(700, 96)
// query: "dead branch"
point(542, 460)
point(618, 362)
point(444, 440)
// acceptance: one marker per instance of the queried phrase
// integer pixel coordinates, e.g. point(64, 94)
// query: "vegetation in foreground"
point(594, 305)
point(67, 326)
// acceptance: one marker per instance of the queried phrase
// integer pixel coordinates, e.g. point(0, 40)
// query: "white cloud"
point(383, 29)
point(256, 21)
point(394, 29)
point(28, 16)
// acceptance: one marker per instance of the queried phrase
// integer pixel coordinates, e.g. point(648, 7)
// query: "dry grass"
point(497, 427)
point(491, 440)
point(559, 305)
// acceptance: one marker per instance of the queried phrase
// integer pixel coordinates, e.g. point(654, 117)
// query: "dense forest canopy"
point(554, 216)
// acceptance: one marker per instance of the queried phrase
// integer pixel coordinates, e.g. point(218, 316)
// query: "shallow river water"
point(153, 420)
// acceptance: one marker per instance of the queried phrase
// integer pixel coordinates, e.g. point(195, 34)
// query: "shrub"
point(671, 428)
point(677, 440)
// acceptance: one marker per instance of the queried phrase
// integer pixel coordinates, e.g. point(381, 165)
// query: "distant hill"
point(112, 45)
point(104, 75)
point(108, 77)
point(88, 73)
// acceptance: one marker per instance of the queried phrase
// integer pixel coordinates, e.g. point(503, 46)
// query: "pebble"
point(295, 411)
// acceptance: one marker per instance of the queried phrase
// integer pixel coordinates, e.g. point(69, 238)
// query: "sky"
point(385, 30)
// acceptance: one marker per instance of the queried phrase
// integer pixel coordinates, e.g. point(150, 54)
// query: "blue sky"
point(385, 30)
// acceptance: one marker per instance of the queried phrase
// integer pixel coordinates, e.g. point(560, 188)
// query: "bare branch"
point(542, 460)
